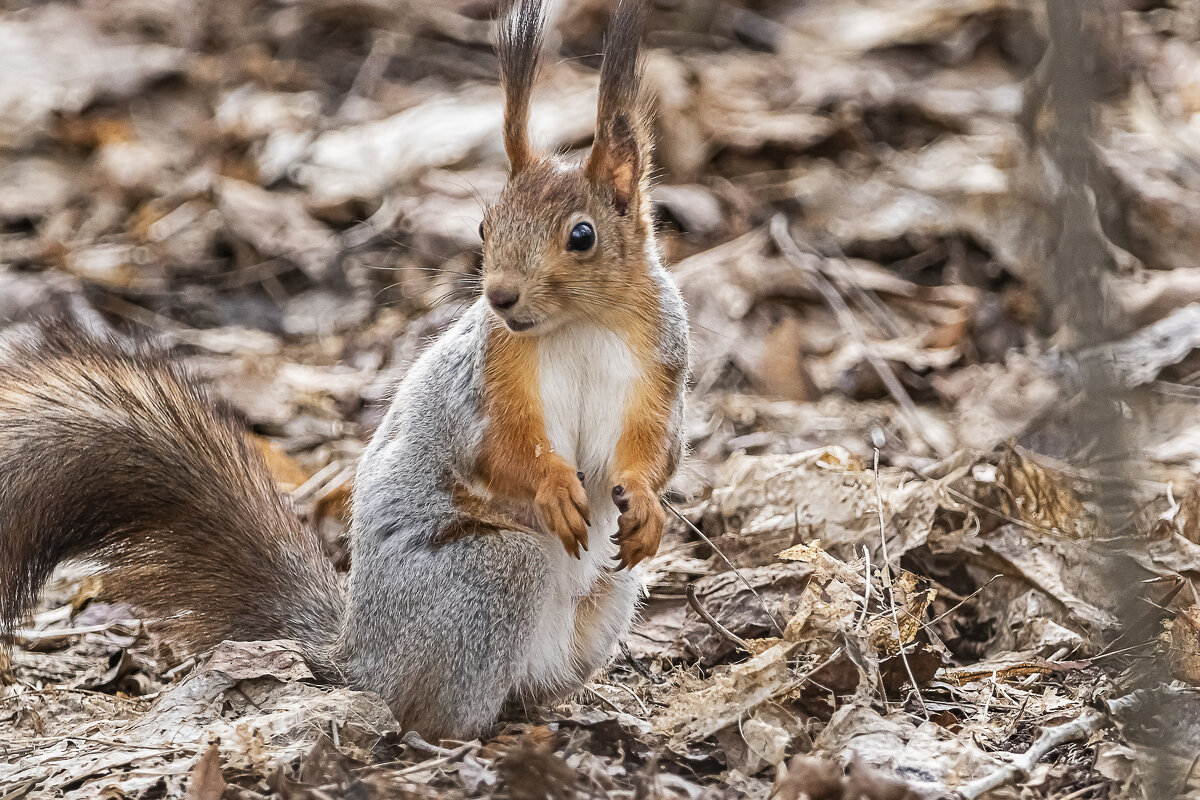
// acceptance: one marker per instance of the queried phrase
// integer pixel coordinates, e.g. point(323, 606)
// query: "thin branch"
point(1081, 727)
point(433, 764)
point(887, 582)
point(604, 700)
point(694, 602)
point(909, 418)
point(736, 571)
point(800, 681)
point(620, 687)
point(867, 586)
point(414, 740)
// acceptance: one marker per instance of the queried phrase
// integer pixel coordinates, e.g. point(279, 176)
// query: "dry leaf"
point(206, 781)
point(1182, 645)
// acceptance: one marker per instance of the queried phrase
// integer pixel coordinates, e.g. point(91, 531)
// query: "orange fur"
point(515, 460)
point(645, 460)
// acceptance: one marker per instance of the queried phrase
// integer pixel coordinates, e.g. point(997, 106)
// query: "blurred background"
point(962, 235)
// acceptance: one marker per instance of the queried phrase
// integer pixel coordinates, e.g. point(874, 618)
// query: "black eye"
point(481, 231)
point(583, 236)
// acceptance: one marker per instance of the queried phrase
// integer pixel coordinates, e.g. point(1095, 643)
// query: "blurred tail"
point(112, 453)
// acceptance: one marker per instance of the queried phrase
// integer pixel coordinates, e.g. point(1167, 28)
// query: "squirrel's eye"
point(583, 236)
point(481, 231)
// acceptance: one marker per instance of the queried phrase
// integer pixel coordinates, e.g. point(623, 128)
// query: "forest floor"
point(901, 557)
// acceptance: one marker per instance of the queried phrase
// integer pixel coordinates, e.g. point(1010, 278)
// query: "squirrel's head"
point(566, 240)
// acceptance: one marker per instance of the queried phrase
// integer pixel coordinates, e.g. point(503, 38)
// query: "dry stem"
point(1081, 727)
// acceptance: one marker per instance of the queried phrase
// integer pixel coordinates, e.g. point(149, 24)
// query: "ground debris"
point(893, 569)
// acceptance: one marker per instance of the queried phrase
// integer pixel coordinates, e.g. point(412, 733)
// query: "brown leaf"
point(821, 778)
point(533, 771)
point(1041, 496)
point(206, 781)
point(731, 693)
point(241, 661)
point(1008, 669)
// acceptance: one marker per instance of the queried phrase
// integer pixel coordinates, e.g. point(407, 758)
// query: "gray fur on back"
point(437, 628)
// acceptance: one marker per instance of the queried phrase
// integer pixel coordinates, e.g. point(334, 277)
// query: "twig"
point(866, 590)
point(1030, 680)
point(1075, 795)
point(180, 668)
point(729, 563)
point(868, 302)
point(887, 582)
point(1081, 727)
point(623, 688)
point(104, 742)
point(796, 684)
point(694, 602)
point(605, 700)
point(414, 740)
point(25, 637)
point(638, 668)
point(437, 762)
point(1187, 775)
point(909, 418)
point(317, 480)
point(20, 790)
point(372, 68)
point(962, 602)
point(1020, 523)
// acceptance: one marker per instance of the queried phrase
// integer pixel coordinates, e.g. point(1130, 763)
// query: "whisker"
point(453, 272)
point(411, 248)
point(471, 187)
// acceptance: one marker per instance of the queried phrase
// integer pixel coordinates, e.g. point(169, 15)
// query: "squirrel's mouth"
point(517, 326)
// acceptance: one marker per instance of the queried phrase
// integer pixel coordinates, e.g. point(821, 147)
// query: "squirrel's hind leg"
point(602, 619)
point(442, 632)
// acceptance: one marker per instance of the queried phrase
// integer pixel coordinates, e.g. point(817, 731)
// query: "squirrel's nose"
point(502, 298)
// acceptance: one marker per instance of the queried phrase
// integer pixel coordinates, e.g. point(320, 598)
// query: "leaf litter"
point(891, 571)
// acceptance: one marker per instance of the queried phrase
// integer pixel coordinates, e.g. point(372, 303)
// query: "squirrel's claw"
point(562, 508)
point(640, 526)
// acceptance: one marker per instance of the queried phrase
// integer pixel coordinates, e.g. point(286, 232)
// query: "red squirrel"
point(500, 509)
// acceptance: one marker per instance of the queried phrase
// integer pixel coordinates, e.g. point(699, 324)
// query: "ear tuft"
point(518, 48)
point(621, 152)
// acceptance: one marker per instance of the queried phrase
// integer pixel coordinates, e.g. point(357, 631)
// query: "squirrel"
point(501, 506)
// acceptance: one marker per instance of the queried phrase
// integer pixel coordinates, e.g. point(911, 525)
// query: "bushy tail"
point(112, 453)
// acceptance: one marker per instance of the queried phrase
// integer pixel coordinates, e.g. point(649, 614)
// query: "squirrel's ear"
point(518, 48)
point(616, 161)
point(622, 149)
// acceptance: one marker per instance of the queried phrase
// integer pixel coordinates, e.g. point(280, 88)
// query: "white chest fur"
point(585, 374)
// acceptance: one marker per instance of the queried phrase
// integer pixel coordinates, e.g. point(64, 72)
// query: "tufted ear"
point(518, 48)
point(621, 152)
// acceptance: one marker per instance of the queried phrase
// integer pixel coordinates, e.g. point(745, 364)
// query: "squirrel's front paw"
point(562, 508)
point(640, 526)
